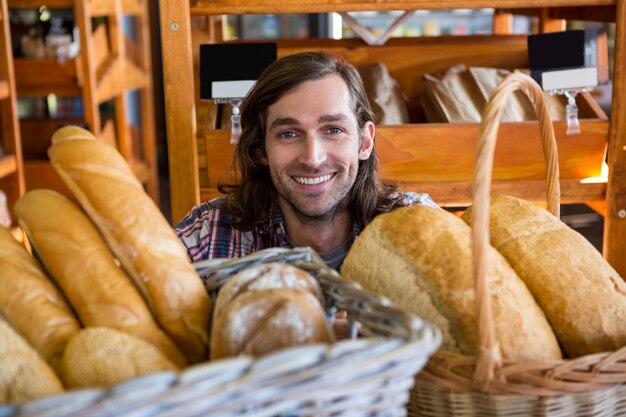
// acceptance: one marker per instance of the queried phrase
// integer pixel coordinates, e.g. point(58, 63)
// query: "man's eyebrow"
point(289, 121)
point(332, 118)
point(284, 121)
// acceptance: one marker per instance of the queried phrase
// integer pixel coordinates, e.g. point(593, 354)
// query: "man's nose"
point(313, 151)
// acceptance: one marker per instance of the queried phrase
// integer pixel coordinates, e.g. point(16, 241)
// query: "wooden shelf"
point(110, 84)
point(40, 77)
point(40, 174)
point(590, 13)
point(98, 7)
point(459, 194)
point(35, 4)
point(107, 7)
point(102, 72)
point(36, 134)
point(435, 155)
point(438, 153)
point(211, 7)
point(403, 150)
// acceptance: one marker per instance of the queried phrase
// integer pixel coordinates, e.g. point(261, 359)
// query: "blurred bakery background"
point(99, 65)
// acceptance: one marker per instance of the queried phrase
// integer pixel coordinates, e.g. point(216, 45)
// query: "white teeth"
point(313, 181)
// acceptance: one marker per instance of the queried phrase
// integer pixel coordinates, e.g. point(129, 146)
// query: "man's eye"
point(335, 130)
point(287, 134)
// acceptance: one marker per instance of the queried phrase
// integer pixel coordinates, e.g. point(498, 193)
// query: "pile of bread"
point(460, 93)
point(552, 293)
point(109, 293)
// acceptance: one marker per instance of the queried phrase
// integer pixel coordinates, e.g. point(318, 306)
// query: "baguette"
point(420, 258)
point(102, 357)
point(77, 258)
point(138, 235)
point(31, 303)
point(69, 133)
point(24, 375)
point(583, 297)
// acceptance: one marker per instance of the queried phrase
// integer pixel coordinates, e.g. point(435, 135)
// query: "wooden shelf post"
point(11, 162)
point(615, 220)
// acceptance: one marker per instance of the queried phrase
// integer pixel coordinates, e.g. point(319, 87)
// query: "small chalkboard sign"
point(230, 70)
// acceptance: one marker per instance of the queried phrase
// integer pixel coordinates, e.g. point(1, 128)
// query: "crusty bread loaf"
point(420, 258)
point(31, 303)
point(24, 375)
point(139, 236)
point(583, 297)
point(263, 277)
point(257, 323)
point(80, 262)
point(102, 357)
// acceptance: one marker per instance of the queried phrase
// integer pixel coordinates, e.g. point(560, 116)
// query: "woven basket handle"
point(489, 357)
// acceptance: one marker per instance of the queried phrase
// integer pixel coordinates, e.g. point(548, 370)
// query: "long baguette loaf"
point(138, 234)
point(583, 297)
point(102, 357)
point(24, 375)
point(31, 303)
point(80, 262)
point(420, 258)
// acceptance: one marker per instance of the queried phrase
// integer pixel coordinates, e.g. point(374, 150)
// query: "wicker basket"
point(454, 384)
point(370, 376)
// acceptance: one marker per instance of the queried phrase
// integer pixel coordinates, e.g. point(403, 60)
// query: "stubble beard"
point(303, 211)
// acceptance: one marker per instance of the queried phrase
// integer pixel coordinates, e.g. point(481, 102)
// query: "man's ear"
point(367, 140)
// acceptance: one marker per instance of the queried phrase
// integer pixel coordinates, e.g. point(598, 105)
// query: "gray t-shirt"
point(333, 257)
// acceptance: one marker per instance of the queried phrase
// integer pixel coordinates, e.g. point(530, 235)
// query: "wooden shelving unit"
point(109, 65)
point(11, 165)
point(433, 158)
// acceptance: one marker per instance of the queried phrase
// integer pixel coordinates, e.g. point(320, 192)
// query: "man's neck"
point(322, 236)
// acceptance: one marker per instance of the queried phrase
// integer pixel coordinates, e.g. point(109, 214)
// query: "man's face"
point(313, 147)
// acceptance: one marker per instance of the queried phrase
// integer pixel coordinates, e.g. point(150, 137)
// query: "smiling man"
point(307, 167)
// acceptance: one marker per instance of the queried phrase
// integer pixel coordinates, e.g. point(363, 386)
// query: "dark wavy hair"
point(251, 195)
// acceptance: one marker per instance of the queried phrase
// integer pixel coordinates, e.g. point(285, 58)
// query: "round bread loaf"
point(24, 375)
point(138, 234)
point(583, 297)
point(267, 276)
point(31, 303)
point(420, 258)
point(102, 357)
point(257, 323)
point(76, 256)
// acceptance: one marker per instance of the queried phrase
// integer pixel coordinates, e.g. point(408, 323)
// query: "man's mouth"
point(313, 180)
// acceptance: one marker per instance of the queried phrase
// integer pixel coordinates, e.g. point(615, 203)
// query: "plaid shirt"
point(207, 233)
